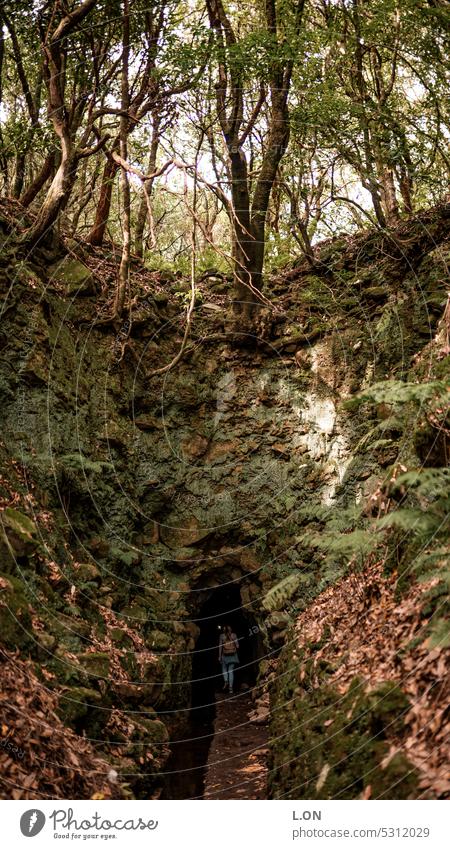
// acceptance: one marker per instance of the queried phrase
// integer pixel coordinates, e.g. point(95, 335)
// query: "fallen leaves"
point(51, 761)
point(376, 636)
point(237, 760)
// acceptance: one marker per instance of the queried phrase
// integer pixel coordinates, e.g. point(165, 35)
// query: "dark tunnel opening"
point(223, 606)
point(187, 765)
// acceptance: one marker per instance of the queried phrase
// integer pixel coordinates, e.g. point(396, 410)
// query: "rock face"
point(134, 499)
point(76, 278)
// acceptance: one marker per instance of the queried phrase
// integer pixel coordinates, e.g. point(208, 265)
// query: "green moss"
point(159, 641)
point(76, 278)
point(20, 531)
point(96, 663)
point(338, 745)
point(67, 628)
point(388, 705)
point(134, 614)
point(120, 637)
point(153, 731)
point(75, 703)
point(397, 780)
point(15, 620)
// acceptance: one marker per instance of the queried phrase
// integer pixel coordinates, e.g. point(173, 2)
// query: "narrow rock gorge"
point(273, 483)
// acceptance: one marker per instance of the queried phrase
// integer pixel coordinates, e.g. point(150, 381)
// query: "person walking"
point(228, 656)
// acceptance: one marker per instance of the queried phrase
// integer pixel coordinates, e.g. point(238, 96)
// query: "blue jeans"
point(228, 664)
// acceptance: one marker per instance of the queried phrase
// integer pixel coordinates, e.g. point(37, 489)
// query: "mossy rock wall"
point(137, 494)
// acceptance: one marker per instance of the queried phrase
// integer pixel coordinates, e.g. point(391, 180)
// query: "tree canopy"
point(269, 124)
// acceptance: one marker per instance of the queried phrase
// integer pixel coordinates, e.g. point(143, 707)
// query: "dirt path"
point(236, 767)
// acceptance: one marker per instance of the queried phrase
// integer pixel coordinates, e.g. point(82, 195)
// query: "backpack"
point(229, 647)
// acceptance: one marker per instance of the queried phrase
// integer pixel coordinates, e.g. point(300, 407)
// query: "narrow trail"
point(236, 767)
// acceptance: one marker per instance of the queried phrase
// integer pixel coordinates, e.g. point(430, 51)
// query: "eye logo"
point(32, 822)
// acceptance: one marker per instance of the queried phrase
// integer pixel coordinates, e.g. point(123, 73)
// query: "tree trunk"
point(97, 233)
point(370, 179)
point(147, 188)
point(19, 176)
point(406, 192)
point(141, 222)
point(249, 221)
point(39, 181)
point(124, 268)
point(54, 51)
point(250, 224)
point(276, 146)
point(56, 196)
point(82, 202)
point(390, 202)
point(245, 272)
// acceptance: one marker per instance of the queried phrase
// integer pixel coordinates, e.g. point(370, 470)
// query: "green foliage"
point(346, 137)
point(78, 462)
point(357, 544)
point(398, 392)
point(282, 592)
point(414, 521)
point(431, 563)
point(185, 297)
point(128, 558)
point(19, 523)
point(428, 482)
point(440, 634)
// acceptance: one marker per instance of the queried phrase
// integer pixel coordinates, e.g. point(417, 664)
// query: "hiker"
point(228, 656)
